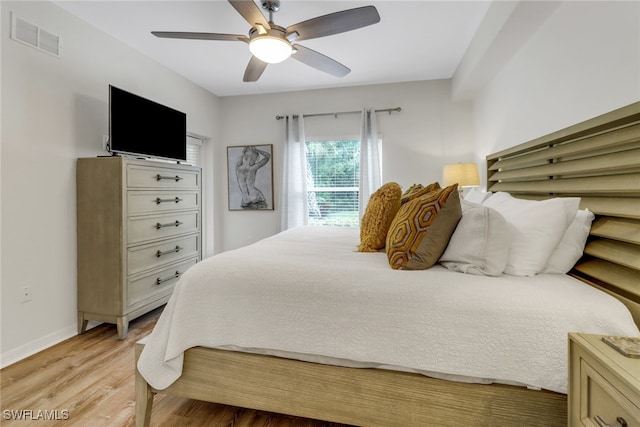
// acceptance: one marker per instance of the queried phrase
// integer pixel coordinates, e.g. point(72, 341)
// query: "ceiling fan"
point(270, 43)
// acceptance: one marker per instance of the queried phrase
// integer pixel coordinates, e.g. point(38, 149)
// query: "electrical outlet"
point(25, 294)
point(105, 142)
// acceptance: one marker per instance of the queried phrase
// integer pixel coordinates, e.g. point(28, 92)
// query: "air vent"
point(31, 35)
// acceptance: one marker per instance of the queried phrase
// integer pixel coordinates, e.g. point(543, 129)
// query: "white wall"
point(431, 130)
point(583, 61)
point(53, 111)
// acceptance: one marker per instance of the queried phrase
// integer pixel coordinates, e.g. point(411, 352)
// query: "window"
point(194, 145)
point(333, 180)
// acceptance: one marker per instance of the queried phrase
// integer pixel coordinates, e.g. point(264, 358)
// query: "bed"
point(351, 382)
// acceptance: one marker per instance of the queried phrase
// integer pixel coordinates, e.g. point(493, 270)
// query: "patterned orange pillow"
point(417, 190)
point(381, 208)
point(421, 229)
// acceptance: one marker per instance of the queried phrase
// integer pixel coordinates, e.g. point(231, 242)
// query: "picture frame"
point(250, 177)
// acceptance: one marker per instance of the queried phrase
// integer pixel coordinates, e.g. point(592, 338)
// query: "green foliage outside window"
point(333, 179)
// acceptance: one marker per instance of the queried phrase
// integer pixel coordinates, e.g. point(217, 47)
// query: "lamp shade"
point(464, 174)
point(270, 49)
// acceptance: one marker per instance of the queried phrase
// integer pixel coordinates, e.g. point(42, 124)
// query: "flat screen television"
point(144, 128)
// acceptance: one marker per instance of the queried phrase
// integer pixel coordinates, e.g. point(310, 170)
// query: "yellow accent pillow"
point(417, 190)
point(421, 229)
point(381, 209)
point(410, 191)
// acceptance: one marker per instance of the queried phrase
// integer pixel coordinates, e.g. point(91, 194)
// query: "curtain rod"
point(389, 110)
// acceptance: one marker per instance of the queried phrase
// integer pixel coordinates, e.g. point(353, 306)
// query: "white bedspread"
point(307, 292)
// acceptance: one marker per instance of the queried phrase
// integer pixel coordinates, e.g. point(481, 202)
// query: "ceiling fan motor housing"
point(274, 31)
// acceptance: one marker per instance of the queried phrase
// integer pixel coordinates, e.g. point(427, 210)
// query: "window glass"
point(194, 145)
point(333, 180)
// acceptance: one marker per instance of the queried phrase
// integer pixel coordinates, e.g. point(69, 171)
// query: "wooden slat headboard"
point(599, 161)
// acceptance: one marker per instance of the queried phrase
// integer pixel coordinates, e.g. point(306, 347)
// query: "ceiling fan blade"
point(254, 70)
point(250, 12)
point(319, 61)
point(199, 36)
point(335, 23)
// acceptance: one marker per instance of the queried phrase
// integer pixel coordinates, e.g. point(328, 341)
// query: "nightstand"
point(604, 385)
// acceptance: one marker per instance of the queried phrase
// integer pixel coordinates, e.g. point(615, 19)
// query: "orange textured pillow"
point(417, 190)
point(421, 229)
point(381, 209)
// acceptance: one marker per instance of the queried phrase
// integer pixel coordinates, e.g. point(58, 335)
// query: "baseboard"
point(22, 352)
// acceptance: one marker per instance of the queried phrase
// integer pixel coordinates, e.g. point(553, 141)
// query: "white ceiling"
point(414, 40)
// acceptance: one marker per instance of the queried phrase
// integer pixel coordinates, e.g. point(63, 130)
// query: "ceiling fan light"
point(270, 49)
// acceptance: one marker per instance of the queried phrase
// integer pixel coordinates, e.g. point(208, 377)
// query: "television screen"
point(141, 127)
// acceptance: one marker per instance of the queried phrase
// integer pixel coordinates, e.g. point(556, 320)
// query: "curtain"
point(293, 202)
point(370, 158)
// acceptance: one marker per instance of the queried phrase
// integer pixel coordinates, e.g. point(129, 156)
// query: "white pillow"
point(465, 205)
point(477, 196)
point(480, 243)
point(536, 229)
point(571, 247)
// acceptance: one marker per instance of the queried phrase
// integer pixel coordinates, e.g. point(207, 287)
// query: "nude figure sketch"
point(249, 161)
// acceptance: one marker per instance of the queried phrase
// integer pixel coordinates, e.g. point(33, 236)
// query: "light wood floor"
point(91, 377)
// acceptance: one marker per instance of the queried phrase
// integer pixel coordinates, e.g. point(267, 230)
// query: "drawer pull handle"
point(159, 200)
point(160, 253)
point(175, 178)
point(166, 279)
point(171, 224)
point(621, 422)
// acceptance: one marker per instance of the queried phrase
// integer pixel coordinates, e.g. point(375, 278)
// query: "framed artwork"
point(250, 177)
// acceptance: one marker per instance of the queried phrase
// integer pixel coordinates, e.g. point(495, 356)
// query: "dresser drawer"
point(156, 283)
point(146, 257)
point(140, 176)
point(599, 398)
point(150, 202)
point(147, 228)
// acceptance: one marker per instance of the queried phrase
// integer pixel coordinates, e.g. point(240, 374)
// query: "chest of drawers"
point(139, 229)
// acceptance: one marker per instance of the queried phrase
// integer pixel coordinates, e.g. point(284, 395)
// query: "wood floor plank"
point(92, 378)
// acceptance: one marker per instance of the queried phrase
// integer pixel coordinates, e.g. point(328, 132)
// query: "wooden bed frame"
point(598, 160)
